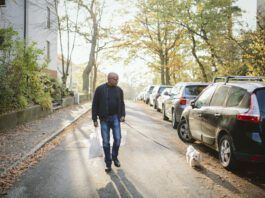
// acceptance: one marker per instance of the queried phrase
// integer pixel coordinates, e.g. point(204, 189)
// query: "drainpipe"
point(25, 37)
point(25, 21)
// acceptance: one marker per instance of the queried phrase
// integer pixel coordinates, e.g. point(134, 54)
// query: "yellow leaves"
point(255, 58)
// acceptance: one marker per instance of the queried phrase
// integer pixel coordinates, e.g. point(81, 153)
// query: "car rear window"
point(260, 96)
point(194, 90)
point(235, 97)
point(155, 89)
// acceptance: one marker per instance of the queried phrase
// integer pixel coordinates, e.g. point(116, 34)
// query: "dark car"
point(181, 95)
point(156, 93)
point(230, 118)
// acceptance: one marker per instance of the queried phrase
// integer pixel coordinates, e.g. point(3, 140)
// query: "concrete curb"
point(45, 141)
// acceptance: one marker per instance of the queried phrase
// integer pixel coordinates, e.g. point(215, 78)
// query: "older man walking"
point(108, 105)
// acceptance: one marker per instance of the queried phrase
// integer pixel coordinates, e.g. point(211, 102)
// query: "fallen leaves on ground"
point(11, 176)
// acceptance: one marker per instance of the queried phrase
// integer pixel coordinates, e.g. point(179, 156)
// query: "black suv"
point(229, 117)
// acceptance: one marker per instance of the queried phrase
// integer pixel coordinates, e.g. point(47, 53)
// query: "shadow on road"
point(253, 172)
point(217, 180)
point(123, 185)
point(108, 191)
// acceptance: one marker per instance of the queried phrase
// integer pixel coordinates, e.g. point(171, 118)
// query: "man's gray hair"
point(111, 74)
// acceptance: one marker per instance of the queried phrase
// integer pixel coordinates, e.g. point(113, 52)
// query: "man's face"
point(113, 80)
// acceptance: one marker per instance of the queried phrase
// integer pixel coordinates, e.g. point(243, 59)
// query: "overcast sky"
point(250, 8)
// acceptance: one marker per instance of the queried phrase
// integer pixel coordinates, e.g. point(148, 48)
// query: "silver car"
point(164, 96)
point(148, 91)
point(156, 93)
point(181, 95)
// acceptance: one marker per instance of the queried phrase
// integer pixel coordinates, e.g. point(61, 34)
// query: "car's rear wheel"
point(164, 113)
point(174, 121)
point(226, 152)
point(184, 132)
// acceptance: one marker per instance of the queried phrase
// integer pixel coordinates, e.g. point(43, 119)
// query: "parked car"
point(164, 96)
point(181, 95)
point(148, 91)
point(156, 93)
point(140, 96)
point(230, 118)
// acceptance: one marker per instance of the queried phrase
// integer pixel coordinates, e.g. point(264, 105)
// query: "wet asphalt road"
point(152, 165)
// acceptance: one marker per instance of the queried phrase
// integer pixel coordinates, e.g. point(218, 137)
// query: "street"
point(153, 164)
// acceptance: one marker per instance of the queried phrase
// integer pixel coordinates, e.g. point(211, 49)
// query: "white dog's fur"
point(193, 157)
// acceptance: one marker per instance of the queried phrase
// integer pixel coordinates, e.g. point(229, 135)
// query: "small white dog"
point(193, 157)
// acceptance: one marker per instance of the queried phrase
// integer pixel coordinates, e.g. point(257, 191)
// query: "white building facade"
point(35, 21)
point(261, 12)
point(261, 5)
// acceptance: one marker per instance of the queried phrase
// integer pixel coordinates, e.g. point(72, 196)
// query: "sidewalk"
point(18, 143)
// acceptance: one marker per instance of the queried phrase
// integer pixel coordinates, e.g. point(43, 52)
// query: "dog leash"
point(156, 142)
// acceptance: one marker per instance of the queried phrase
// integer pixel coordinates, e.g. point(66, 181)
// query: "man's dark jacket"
point(100, 103)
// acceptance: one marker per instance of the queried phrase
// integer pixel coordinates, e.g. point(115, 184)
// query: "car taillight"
point(255, 158)
point(253, 114)
point(249, 118)
point(183, 101)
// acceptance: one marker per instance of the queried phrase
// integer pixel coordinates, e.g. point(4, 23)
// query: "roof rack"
point(219, 78)
point(239, 78)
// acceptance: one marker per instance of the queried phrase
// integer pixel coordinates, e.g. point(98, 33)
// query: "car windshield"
point(260, 96)
point(161, 89)
point(166, 90)
point(194, 90)
point(150, 89)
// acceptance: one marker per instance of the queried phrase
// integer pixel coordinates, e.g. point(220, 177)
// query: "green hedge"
point(22, 78)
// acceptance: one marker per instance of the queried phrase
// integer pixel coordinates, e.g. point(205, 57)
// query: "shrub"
point(21, 74)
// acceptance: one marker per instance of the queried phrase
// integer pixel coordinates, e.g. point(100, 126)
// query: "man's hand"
point(96, 124)
point(122, 119)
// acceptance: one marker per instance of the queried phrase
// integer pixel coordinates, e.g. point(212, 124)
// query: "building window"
point(48, 49)
point(2, 2)
point(48, 17)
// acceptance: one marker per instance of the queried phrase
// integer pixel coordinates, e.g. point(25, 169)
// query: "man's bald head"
point(113, 79)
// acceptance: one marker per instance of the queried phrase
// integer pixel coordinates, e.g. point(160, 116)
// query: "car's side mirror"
point(192, 104)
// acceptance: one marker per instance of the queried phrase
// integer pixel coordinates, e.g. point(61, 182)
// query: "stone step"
point(56, 106)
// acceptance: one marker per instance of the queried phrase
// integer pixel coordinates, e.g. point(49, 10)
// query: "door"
point(195, 116)
point(195, 123)
point(213, 114)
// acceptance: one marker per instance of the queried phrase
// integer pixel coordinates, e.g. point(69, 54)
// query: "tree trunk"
point(167, 76)
point(197, 59)
point(162, 68)
point(94, 78)
point(91, 61)
point(167, 73)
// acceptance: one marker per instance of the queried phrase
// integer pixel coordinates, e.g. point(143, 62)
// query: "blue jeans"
point(112, 122)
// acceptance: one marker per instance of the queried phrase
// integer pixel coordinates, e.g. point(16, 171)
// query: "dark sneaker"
point(116, 162)
point(108, 170)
